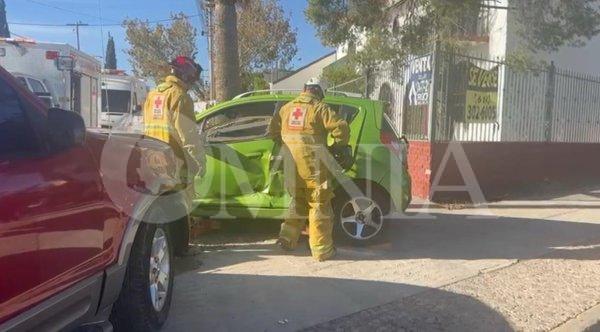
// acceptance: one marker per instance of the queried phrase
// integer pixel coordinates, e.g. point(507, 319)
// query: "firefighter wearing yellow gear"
point(169, 117)
point(304, 125)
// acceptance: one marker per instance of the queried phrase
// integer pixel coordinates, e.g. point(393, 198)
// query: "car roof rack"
point(294, 91)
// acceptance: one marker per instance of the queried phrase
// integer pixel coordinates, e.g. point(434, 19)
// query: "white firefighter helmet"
point(314, 86)
point(314, 82)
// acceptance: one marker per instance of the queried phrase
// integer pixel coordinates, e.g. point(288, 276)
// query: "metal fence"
point(356, 86)
point(575, 109)
point(444, 96)
point(406, 90)
point(454, 100)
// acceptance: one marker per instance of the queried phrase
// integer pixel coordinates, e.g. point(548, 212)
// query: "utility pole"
point(205, 9)
point(4, 31)
point(77, 25)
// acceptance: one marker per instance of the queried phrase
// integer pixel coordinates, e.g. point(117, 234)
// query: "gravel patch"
point(531, 295)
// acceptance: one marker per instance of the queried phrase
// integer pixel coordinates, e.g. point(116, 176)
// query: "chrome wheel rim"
point(361, 218)
point(159, 270)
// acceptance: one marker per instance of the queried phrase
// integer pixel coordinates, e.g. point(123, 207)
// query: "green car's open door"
point(238, 156)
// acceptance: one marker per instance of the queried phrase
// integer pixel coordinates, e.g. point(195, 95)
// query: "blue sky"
point(114, 11)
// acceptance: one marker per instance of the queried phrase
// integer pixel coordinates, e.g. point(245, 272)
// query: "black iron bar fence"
point(448, 96)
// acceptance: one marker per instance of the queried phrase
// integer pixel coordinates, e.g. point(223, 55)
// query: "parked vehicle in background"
point(121, 95)
point(245, 178)
point(70, 76)
point(37, 86)
point(83, 240)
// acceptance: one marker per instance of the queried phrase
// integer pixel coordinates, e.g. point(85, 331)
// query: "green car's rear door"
point(237, 163)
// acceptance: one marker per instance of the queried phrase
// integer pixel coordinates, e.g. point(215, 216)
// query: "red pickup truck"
point(89, 222)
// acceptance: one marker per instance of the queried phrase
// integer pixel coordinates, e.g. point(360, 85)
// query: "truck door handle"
point(36, 204)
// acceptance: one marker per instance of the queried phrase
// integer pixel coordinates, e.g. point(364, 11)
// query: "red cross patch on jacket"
point(158, 105)
point(297, 118)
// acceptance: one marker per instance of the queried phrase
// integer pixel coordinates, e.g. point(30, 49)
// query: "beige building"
point(296, 79)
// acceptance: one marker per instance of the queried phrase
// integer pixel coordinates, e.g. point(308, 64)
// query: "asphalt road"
point(516, 265)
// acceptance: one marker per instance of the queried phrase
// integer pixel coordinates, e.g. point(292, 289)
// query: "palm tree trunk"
point(226, 57)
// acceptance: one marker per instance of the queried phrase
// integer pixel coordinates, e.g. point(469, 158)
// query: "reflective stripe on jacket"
point(169, 116)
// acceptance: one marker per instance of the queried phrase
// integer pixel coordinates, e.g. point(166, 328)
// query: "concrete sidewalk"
point(525, 265)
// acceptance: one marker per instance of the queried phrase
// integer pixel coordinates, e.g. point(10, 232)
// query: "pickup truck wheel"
point(145, 299)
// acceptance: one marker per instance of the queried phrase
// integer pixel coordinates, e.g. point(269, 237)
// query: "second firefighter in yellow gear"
point(304, 125)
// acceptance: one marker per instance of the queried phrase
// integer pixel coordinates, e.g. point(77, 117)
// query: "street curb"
point(584, 321)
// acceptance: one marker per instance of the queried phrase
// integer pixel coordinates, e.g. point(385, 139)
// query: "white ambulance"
point(63, 76)
point(122, 95)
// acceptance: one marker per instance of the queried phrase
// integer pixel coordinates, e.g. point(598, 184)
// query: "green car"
point(244, 175)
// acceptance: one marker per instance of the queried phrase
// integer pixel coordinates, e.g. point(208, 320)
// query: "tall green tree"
point(4, 31)
point(111, 56)
point(549, 25)
point(151, 48)
point(339, 72)
point(266, 40)
point(544, 25)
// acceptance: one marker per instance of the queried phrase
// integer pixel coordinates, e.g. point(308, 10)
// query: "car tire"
point(139, 307)
point(347, 216)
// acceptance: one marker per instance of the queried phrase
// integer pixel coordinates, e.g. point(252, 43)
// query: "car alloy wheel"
point(361, 218)
point(159, 269)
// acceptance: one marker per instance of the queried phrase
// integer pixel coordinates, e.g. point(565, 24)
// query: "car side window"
point(36, 86)
point(239, 123)
point(16, 136)
point(22, 81)
point(346, 112)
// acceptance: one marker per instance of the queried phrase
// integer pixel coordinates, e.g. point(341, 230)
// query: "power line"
point(65, 9)
point(102, 32)
point(205, 10)
point(99, 24)
point(170, 19)
point(37, 24)
point(18, 35)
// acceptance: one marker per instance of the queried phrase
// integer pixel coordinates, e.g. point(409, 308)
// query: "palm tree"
point(226, 56)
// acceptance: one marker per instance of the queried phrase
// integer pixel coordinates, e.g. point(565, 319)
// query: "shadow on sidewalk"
point(233, 302)
point(438, 236)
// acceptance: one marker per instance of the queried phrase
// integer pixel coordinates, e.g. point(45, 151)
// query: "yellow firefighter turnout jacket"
point(169, 117)
point(308, 117)
point(304, 124)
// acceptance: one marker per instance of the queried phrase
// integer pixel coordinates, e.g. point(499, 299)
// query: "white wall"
point(296, 80)
point(498, 30)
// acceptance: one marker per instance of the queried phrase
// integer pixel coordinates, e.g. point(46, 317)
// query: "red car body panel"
point(59, 223)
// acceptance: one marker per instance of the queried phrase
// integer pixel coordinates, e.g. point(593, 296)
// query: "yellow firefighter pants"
point(312, 201)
